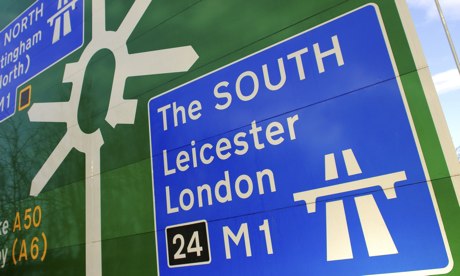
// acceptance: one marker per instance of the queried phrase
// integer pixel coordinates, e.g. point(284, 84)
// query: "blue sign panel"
point(41, 36)
point(300, 159)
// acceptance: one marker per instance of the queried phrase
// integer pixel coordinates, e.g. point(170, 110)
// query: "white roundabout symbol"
point(120, 110)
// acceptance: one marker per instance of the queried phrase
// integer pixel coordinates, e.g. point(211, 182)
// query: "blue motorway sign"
point(300, 159)
point(38, 38)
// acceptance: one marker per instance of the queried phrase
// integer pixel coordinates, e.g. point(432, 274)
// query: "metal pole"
point(449, 38)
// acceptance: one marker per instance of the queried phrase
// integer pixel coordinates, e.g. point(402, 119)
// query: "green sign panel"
point(79, 196)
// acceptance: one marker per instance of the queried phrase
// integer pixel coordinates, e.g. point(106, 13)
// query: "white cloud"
point(450, 8)
point(447, 81)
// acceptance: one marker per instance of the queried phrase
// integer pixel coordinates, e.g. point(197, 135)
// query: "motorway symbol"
point(377, 236)
point(63, 14)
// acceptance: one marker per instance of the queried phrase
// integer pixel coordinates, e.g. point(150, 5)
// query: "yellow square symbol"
point(24, 97)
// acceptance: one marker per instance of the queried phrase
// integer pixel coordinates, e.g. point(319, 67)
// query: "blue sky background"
point(439, 56)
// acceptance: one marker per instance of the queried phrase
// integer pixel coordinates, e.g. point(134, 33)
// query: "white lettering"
point(222, 191)
point(254, 132)
point(226, 184)
point(238, 181)
point(191, 200)
point(282, 73)
point(334, 51)
point(243, 231)
point(23, 24)
point(222, 95)
point(255, 86)
point(4, 255)
point(162, 110)
point(274, 134)
point(167, 171)
point(179, 113)
point(170, 210)
point(297, 55)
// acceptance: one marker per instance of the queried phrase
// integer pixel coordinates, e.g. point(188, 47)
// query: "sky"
point(439, 56)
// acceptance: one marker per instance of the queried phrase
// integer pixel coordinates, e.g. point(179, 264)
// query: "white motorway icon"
point(377, 237)
point(120, 111)
point(63, 14)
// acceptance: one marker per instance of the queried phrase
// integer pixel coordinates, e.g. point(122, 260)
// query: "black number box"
point(188, 244)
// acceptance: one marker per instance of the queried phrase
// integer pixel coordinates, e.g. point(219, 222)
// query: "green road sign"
point(75, 165)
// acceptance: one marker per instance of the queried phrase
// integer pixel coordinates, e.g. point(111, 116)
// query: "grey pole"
point(449, 38)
